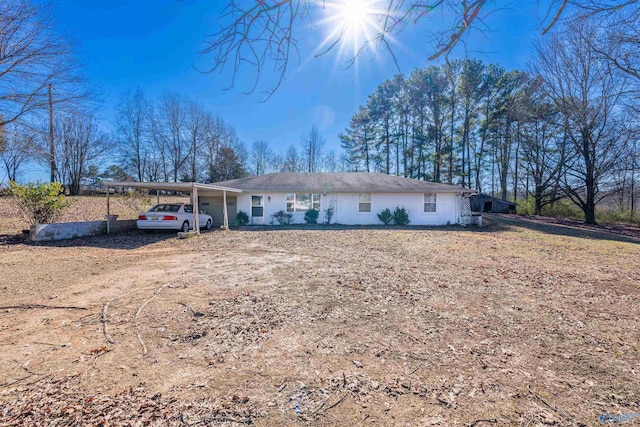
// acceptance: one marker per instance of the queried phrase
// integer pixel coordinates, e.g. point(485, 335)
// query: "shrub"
point(527, 206)
point(39, 203)
point(385, 216)
point(311, 216)
point(400, 216)
point(328, 214)
point(283, 218)
point(242, 218)
point(616, 215)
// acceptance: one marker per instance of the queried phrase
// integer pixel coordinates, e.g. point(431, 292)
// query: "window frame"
point(292, 199)
point(433, 200)
point(261, 206)
point(360, 203)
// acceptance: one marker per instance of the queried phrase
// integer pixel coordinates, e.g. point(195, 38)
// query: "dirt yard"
point(520, 323)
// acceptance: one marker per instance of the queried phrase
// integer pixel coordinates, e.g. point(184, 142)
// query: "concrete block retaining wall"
point(72, 230)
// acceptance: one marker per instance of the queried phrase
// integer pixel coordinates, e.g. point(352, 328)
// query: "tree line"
point(177, 139)
point(566, 128)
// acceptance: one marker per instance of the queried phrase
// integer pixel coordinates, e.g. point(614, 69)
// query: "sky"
point(155, 44)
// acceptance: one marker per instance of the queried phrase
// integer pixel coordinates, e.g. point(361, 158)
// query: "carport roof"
point(184, 187)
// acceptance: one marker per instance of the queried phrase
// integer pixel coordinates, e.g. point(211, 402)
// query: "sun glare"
point(355, 12)
point(350, 24)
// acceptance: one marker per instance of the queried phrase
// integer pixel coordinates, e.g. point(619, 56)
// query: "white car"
point(172, 216)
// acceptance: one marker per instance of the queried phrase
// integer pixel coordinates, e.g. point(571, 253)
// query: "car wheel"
point(208, 226)
point(185, 227)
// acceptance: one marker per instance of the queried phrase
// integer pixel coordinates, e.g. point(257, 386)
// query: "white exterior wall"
point(346, 207)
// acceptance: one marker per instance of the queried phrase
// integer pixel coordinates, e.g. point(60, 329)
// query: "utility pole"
point(52, 151)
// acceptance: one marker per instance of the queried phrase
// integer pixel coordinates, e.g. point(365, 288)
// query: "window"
point(364, 202)
point(429, 202)
point(257, 206)
point(165, 208)
point(303, 202)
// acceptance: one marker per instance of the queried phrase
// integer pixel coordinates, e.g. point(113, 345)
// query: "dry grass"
point(512, 325)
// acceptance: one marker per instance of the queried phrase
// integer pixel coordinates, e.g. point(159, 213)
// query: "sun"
point(355, 13)
point(350, 24)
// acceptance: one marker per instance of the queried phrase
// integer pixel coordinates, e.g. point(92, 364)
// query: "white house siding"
point(346, 207)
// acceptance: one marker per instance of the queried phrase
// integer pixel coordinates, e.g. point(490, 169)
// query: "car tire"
point(208, 226)
point(185, 227)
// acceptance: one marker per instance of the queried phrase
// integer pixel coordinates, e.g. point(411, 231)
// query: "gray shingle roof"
point(344, 182)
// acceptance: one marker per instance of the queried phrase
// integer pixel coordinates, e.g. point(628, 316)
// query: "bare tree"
point(330, 161)
point(133, 122)
point(15, 141)
point(586, 93)
point(78, 143)
point(544, 137)
point(312, 150)
point(216, 133)
point(291, 160)
point(32, 59)
point(170, 134)
point(621, 39)
point(261, 157)
point(195, 127)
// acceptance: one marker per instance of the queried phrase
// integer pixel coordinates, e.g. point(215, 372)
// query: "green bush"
point(527, 206)
point(616, 215)
point(311, 216)
point(563, 208)
point(242, 218)
point(282, 217)
point(400, 216)
point(39, 203)
point(385, 216)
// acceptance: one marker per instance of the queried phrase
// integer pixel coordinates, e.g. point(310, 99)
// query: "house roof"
point(344, 182)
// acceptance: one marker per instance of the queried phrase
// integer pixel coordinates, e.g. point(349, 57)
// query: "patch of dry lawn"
point(506, 326)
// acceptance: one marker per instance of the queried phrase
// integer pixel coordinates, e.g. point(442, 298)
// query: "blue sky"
point(155, 45)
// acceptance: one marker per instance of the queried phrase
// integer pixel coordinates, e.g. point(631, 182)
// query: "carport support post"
point(108, 212)
point(196, 211)
point(225, 215)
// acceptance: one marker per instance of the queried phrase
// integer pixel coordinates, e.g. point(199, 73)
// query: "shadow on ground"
point(493, 223)
point(131, 240)
point(503, 222)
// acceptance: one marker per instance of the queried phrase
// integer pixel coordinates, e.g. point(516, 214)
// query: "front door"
point(257, 210)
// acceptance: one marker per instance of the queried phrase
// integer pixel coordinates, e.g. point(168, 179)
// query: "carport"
point(194, 189)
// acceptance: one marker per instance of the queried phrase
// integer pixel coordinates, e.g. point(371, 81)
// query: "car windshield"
point(188, 208)
point(165, 208)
